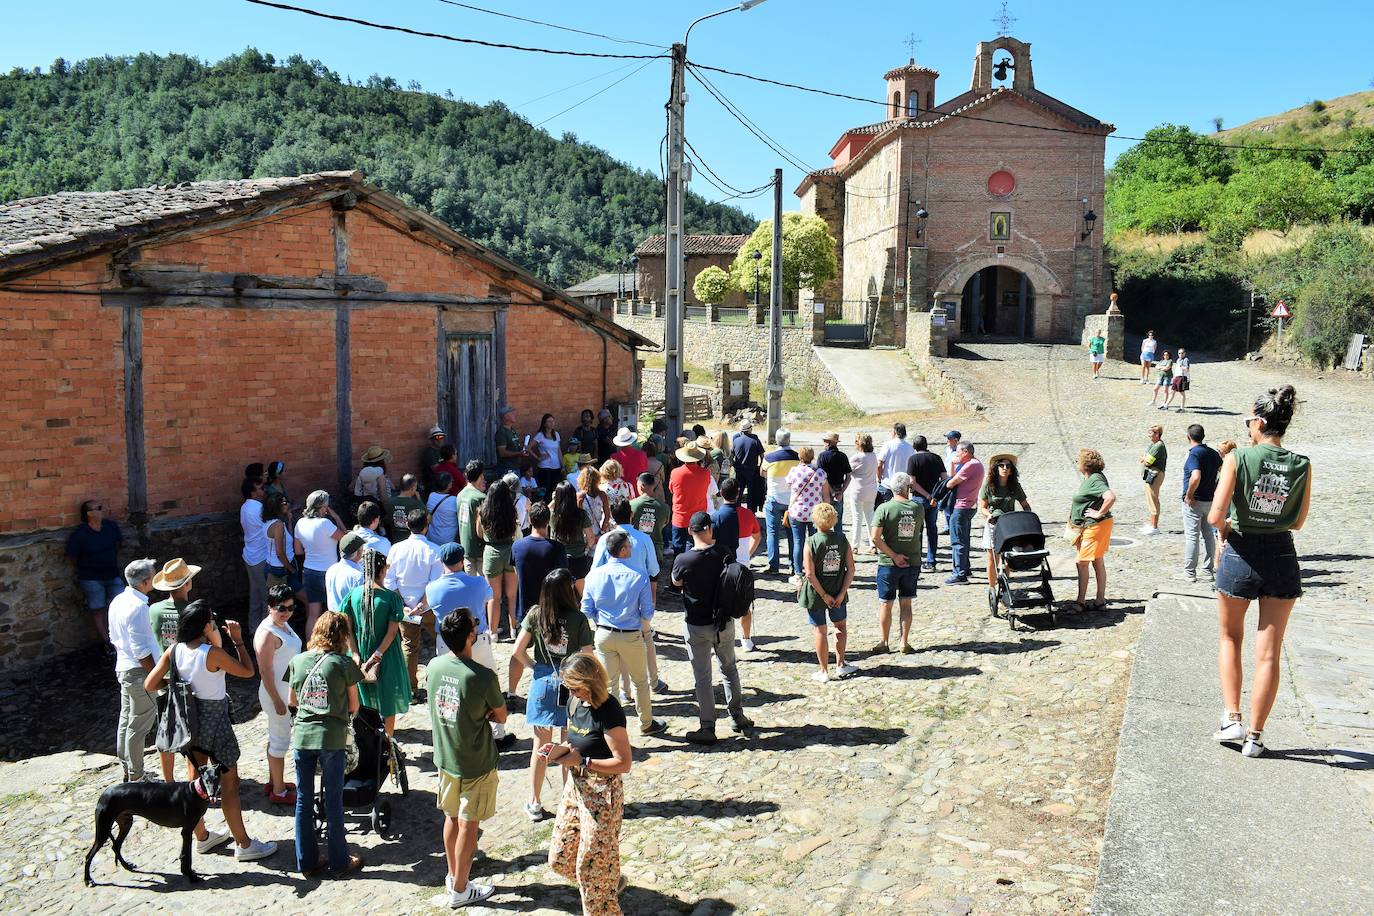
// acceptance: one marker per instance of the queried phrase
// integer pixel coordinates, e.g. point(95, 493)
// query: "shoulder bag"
point(180, 721)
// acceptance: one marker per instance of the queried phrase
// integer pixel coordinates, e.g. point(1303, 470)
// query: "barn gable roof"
point(40, 233)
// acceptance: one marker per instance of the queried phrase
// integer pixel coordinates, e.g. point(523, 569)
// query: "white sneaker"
point(746, 645)
point(1231, 730)
point(846, 670)
point(1184, 577)
point(819, 676)
point(1253, 746)
point(535, 812)
point(1151, 532)
point(473, 893)
point(212, 841)
point(1144, 529)
point(794, 580)
point(623, 698)
point(256, 849)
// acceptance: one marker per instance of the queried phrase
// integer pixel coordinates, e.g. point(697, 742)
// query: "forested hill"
point(559, 207)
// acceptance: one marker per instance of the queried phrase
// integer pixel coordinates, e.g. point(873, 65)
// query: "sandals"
point(1098, 605)
point(1075, 607)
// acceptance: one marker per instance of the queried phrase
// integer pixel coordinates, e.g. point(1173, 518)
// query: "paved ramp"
point(877, 381)
point(1194, 827)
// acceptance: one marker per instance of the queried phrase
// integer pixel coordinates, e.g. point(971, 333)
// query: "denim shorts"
point(1259, 566)
point(817, 615)
point(897, 581)
point(291, 577)
point(99, 592)
point(314, 586)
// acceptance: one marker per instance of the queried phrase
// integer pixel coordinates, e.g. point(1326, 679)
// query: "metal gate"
point(471, 397)
point(849, 322)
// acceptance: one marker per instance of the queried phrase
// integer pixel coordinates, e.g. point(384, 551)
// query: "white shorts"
point(278, 727)
point(1097, 357)
point(987, 536)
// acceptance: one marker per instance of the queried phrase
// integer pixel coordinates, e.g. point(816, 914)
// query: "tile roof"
point(601, 284)
point(694, 244)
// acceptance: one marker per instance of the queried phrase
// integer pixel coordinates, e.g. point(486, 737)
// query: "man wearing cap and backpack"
point(711, 602)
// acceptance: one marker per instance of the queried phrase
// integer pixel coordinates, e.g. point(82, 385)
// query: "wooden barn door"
point(472, 396)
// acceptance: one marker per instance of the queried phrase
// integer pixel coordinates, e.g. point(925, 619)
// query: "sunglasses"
point(1249, 420)
point(284, 608)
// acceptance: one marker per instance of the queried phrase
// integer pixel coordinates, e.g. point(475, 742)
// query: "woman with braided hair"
point(376, 614)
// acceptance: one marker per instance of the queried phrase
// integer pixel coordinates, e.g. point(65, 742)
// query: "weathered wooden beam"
point(191, 281)
point(343, 407)
point(294, 298)
point(131, 327)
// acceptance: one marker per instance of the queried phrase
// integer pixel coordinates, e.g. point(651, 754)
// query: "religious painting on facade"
point(999, 226)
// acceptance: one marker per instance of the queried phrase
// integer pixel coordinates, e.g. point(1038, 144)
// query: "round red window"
point(1001, 183)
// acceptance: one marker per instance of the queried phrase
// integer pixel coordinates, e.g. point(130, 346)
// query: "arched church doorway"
point(998, 300)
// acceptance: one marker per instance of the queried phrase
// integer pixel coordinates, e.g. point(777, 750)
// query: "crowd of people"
point(566, 549)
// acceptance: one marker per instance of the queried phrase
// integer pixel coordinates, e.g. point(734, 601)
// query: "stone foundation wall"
point(743, 346)
point(42, 611)
point(1112, 327)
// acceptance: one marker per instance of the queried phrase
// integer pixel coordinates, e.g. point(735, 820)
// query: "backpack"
point(735, 596)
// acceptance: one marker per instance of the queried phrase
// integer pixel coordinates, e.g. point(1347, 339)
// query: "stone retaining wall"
point(744, 346)
point(42, 611)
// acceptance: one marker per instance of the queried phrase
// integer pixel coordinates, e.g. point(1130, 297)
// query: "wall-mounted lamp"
point(1088, 219)
point(922, 214)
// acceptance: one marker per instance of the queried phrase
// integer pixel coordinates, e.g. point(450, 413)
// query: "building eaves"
point(657, 246)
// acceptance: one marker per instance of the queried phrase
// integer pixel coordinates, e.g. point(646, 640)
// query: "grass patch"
point(807, 404)
point(18, 798)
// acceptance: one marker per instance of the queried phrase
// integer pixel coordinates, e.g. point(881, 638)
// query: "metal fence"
point(735, 315)
point(696, 313)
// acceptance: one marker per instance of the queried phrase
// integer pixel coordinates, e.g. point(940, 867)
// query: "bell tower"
point(987, 73)
point(910, 90)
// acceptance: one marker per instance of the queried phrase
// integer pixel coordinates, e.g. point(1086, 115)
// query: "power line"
point(701, 160)
point(763, 138)
point(423, 34)
point(574, 85)
point(721, 97)
point(597, 92)
point(624, 41)
point(1066, 130)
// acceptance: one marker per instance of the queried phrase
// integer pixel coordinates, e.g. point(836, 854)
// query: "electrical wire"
point(739, 113)
point(1066, 130)
point(762, 137)
point(423, 34)
point(597, 93)
point(624, 41)
point(701, 161)
point(584, 82)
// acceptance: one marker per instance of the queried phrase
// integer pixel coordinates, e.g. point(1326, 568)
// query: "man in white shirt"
point(369, 528)
point(892, 459)
point(136, 651)
point(256, 547)
point(411, 566)
point(347, 573)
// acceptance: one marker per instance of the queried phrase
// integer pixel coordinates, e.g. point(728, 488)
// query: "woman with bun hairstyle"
point(1263, 496)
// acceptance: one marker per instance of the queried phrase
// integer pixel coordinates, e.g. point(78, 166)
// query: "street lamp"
point(742, 7)
point(922, 214)
point(634, 276)
point(757, 256)
point(620, 278)
point(1088, 219)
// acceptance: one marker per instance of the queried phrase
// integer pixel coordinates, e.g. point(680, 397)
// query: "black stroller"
point(379, 758)
point(1023, 572)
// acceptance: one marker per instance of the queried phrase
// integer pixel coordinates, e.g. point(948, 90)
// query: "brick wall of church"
point(872, 210)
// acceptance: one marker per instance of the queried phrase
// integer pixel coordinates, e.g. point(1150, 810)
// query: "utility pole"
point(673, 255)
point(775, 315)
point(1249, 319)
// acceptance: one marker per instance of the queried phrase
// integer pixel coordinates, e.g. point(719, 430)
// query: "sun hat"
point(745, 425)
point(689, 454)
point(1002, 456)
point(174, 574)
point(436, 430)
point(376, 453)
point(350, 543)
point(831, 437)
point(584, 459)
point(625, 437)
point(451, 554)
point(505, 409)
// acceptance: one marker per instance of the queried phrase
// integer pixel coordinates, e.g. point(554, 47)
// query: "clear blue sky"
point(1134, 65)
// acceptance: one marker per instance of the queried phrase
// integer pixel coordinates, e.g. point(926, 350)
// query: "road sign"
point(1280, 311)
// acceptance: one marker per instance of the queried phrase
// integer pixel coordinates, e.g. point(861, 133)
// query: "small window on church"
point(913, 104)
point(889, 184)
point(896, 104)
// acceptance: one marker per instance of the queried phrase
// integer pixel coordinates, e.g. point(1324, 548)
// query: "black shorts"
point(1259, 566)
point(580, 566)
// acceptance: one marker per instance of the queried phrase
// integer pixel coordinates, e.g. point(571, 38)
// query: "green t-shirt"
point(1002, 500)
point(469, 500)
point(1097, 345)
point(1158, 455)
point(430, 458)
point(401, 506)
point(321, 699)
point(509, 439)
point(1089, 496)
point(461, 693)
point(1166, 368)
point(574, 629)
point(650, 516)
point(901, 521)
point(830, 556)
point(577, 547)
point(1270, 486)
point(164, 616)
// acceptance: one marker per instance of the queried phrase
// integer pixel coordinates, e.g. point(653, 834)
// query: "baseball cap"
point(954, 434)
point(451, 554)
point(700, 521)
point(351, 542)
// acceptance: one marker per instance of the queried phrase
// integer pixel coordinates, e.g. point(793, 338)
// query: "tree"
point(808, 255)
point(1278, 194)
point(711, 285)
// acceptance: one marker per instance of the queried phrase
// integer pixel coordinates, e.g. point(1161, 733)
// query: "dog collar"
point(200, 790)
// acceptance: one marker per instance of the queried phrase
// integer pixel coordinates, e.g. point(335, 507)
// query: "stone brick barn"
point(154, 341)
point(978, 200)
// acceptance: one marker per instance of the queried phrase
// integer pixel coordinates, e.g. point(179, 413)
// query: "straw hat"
point(436, 431)
point(585, 459)
point(704, 443)
point(376, 453)
point(689, 454)
point(1002, 456)
point(175, 574)
point(625, 437)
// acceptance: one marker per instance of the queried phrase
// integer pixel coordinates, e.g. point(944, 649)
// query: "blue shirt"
point(454, 590)
point(746, 450)
point(725, 526)
point(535, 558)
point(616, 595)
point(96, 552)
point(643, 557)
point(1202, 458)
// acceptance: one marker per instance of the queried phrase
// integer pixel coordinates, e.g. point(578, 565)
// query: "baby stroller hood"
point(1018, 531)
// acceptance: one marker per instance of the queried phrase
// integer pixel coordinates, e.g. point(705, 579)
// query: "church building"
point(986, 203)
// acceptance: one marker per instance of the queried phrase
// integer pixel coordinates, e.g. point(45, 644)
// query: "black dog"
point(167, 804)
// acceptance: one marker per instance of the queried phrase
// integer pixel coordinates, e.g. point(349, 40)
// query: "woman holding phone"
point(586, 837)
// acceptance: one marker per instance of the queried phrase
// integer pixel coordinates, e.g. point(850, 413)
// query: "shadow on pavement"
point(635, 900)
point(918, 673)
point(670, 808)
point(1355, 760)
point(789, 737)
point(994, 648)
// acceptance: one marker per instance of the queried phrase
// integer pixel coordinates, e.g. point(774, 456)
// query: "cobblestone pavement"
point(972, 776)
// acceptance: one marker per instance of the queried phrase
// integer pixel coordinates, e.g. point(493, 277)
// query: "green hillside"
point(559, 207)
point(1318, 118)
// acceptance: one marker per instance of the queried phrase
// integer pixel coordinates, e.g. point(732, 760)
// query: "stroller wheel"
point(381, 818)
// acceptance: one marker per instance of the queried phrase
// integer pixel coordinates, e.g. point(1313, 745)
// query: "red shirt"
point(460, 479)
point(633, 462)
point(748, 524)
point(688, 486)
